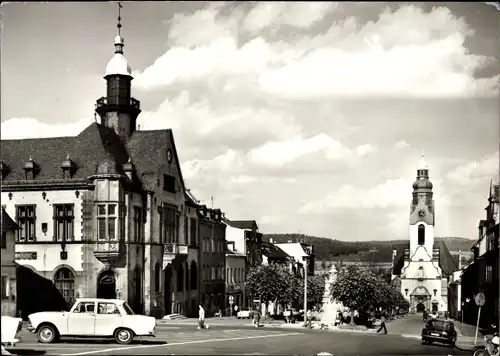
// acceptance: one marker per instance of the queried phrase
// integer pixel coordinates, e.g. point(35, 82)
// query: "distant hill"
point(367, 251)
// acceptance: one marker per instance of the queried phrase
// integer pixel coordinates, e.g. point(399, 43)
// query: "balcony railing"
point(108, 250)
point(116, 101)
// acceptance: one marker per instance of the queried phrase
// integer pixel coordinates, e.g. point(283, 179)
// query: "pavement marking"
point(179, 343)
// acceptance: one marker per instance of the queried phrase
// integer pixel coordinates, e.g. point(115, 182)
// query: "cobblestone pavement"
point(186, 339)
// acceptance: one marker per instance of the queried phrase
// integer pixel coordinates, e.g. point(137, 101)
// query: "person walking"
point(256, 317)
point(201, 318)
point(236, 310)
point(382, 324)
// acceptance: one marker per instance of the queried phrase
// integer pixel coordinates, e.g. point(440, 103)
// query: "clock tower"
point(422, 216)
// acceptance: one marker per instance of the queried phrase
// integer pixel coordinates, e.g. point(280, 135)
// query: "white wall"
point(44, 209)
point(48, 255)
point(416, 251)
point(238, 236)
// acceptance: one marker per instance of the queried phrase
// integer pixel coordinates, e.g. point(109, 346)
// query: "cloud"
point(294, 14)
point(415, 53)
point(389, 194)
point(26, 127)
point(401, 145)
point(475, 171)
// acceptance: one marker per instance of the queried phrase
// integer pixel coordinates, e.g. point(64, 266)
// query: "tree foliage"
point(363, 290)
point(355, 288)
point(315, 290)
point(272, 283)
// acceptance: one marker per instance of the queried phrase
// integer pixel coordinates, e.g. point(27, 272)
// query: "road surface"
point(239, 340)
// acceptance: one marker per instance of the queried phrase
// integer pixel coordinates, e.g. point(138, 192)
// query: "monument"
point(330, 307)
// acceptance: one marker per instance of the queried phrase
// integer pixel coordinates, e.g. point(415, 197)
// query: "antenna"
point(119, 25)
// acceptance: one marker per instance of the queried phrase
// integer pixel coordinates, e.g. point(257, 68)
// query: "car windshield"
point(438, 324)
point(128, 309)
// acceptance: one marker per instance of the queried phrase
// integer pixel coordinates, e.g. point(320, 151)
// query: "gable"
point(154, 154)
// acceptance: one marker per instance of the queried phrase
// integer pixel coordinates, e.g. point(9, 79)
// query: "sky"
point(306, 117)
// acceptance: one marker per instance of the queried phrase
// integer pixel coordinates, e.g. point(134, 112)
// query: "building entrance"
point(106, 285)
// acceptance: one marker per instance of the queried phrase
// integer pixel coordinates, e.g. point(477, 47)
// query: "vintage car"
point(95, 318)
point(10, 328)
point(438, 330)
point(244, 314)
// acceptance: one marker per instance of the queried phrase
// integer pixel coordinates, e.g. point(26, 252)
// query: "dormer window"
point(68, 167)
point(4, 168)
point(31, 169)
point(129, 169)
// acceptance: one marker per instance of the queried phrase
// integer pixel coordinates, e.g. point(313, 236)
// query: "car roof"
point(97, 300)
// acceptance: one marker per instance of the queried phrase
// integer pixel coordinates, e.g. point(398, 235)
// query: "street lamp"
point(305, 292)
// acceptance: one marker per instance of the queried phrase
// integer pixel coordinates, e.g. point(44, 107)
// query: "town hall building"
point(103, 214)
point(422, 267)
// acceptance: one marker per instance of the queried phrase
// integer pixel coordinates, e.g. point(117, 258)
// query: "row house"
point(482, 276)
point(8, 271)
point(244, 238)
point(103, 214)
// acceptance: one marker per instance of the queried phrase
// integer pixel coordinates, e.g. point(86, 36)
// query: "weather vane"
point(119, 25)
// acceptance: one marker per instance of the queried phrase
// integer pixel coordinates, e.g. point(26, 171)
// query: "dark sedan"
point(439, 330)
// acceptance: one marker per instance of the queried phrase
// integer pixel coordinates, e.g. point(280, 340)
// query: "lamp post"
point(305, 292)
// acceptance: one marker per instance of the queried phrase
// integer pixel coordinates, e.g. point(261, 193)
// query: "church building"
point(422, 267)
point(103, 214)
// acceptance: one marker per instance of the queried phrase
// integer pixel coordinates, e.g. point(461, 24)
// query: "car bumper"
point(437, 338)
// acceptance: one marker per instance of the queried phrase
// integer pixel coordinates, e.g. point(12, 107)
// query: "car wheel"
point(47, 334)
point(480, 352)
point(124, 336)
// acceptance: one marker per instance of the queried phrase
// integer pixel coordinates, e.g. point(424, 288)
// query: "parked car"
point(439, 330)
point(90, 317)
point(244, 314)
point(10, 328)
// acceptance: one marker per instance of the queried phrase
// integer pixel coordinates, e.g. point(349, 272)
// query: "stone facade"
point(8, 271)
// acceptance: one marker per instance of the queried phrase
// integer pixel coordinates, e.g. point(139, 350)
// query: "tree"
point(271, 283)
point(315, 290)
point(355, 288)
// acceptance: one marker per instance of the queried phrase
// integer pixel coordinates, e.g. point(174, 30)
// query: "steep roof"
point(94, 146)
point(272, 251)
point(7, 223)
point(147, 149)
point(242, 224)
point(295, 249)
point(446, 260)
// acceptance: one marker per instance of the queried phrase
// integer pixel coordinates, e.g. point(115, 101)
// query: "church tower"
point(422, 216)
point(118, 110)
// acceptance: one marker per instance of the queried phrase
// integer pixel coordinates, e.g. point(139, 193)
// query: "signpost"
point(231, 301)
point(480, 300)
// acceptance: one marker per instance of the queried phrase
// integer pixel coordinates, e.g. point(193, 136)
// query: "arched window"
point(421, 234)
point(157, 277)
point(64, 280)
point(180, 279)
point(194, 276)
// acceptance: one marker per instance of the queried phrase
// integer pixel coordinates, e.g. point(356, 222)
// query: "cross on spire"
point(119, 25)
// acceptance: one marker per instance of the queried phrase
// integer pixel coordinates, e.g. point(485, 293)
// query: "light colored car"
point(91, 317)
point(244, 314)
point(10, 328)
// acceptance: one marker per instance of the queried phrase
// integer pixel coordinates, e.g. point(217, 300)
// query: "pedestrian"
point(201, 318)
point(382, 324)
point(256, 317)
point(424, 315)
point(309, 319)
point(236, 310)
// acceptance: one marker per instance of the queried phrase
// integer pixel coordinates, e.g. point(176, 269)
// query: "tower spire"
point(423, 163)
point(119, 25)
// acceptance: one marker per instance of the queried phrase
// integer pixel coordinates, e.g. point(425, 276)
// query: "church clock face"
point(421, 213)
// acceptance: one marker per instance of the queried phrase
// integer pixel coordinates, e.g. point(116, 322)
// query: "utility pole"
point(305, 293)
